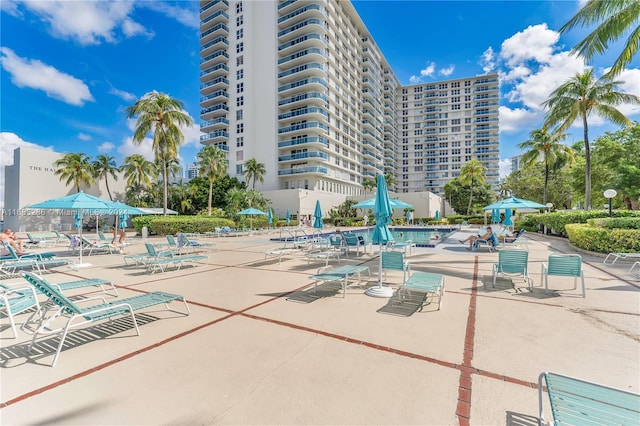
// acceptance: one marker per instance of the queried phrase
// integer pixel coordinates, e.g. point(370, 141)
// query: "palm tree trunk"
point(210, 195)
point(106, 182)
point(165, 187)
point(587, 166)
point(546, 183)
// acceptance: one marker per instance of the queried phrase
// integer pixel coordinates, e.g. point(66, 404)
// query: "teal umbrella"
point(251, 212)
point(437, 218)
point(507, 218)
point(382, 211)
point(288, 217)
point(269, 217)
point(371, 202)
point(83, 203)
point(495, 215)
point(317, 214)
point(514, 203)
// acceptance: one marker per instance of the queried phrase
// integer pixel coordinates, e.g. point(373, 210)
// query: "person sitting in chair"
point(513, 237)
point(9, 237)
point(472, 238)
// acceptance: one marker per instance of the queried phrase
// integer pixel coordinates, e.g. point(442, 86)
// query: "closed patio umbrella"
point(408, 217)
point(288, 217)
point(317, 214)
point(382, 211)
point(495, 216)
point(269, 217)
point(507, 217)
point(437, 218)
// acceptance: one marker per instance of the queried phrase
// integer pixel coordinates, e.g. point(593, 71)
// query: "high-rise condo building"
point(302, 87)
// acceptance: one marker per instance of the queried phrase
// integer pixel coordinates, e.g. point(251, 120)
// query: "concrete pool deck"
point(259, 349)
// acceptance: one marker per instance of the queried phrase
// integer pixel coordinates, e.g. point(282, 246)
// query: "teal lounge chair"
point(491, 243)
point(183, 241)
point(565, 265)
point(394, 261)
point(15, 300)
point(76, 316)
point(512, 263)
point(98, 247)
point(353, 242)
point(37, 261)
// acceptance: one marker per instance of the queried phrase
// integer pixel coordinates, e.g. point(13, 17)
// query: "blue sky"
point(69, 68)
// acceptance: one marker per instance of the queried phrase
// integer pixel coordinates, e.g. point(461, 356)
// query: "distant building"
point(341, 116)
point(515, 163)
point(192, 171)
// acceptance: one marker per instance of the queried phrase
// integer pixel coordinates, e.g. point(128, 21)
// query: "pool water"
point(420, 236)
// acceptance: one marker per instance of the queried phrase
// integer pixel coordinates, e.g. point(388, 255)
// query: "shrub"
point(558, 220)
point(165, 225)
point(603, 240)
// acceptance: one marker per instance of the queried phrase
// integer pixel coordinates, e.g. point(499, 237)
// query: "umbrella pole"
point(81, 264)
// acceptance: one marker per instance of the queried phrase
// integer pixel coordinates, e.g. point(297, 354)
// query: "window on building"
point(240, 87)
point(240, 74)
point(239, 7)
point(240, 141)
point(239, 114)
point(238, 169)
point(239, 34)
point(240, 128)
point(240, 101)
point(239, 20)
point(240, 60)
point(239, 155)
point(240, 47)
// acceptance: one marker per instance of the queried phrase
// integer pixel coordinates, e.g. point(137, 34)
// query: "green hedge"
point(616, 222)
point(171, 225)
point(603, 240)
point(559, 220)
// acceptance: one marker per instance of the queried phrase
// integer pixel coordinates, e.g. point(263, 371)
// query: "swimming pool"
point(422, 237)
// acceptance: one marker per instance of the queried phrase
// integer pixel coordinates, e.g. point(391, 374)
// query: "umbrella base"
point(379, 291)
point(82, 265)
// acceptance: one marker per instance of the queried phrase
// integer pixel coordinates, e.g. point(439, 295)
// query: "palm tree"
point(546, 148)
point(369, 185)
point(213, 165)
point(139, 173)
point(103, 167)
point(580, 97)
point(162, 115)
point(254, 171)
point(614, 20)
point(390, 179)
point(76, 168)
point(235, 199)
point(472, 173)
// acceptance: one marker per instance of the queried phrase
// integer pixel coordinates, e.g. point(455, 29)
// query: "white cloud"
point(129, 97)
point(536, 42)
point(84, 137)
point(105, 147)
point(447, 71)
point(36, 75)
point(630, 79)
point(414, 80)
point(513, 120)
point(87, 22)
point(187, 17)
point(8, 143)
point(488, 60)
point(505, 168)
point(429, 70)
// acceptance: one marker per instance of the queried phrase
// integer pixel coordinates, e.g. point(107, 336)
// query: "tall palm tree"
point(546, 148)
point(235, 199)
point(76, 168)
point(254, 171)
point(139, 173)
point(614, 19)
point(103, 167)
point(580, 97)
point(369, 185)
point(212, 162)
point(390, 180)
point(472, 173)
point(161, 115)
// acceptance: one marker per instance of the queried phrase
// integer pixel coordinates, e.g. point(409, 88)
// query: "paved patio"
point(258, 349)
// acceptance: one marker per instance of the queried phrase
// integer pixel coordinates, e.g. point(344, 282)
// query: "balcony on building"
point(309, 127)
point(306, 84)
point(312, 25)
point(303, 141)
point(214, 98)
point(215, 44)
point(215, 124)
point(215, 111)
point(214, 137)
point(212, 7)
point(216, 84)
point(304, 113)
point(215, 71)
point(309, 10)
point(218, 17)
point(312, 54)
point(314, 98)
point(317, 155)
point(213, 32)
point(218, 57)
point(304, 41)
point(312, 170)
point(307, 70)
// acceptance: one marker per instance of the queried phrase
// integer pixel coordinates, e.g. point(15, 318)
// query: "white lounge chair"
point(616, 256)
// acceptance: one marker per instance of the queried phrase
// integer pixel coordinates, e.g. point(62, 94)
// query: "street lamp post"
point(610, 194)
